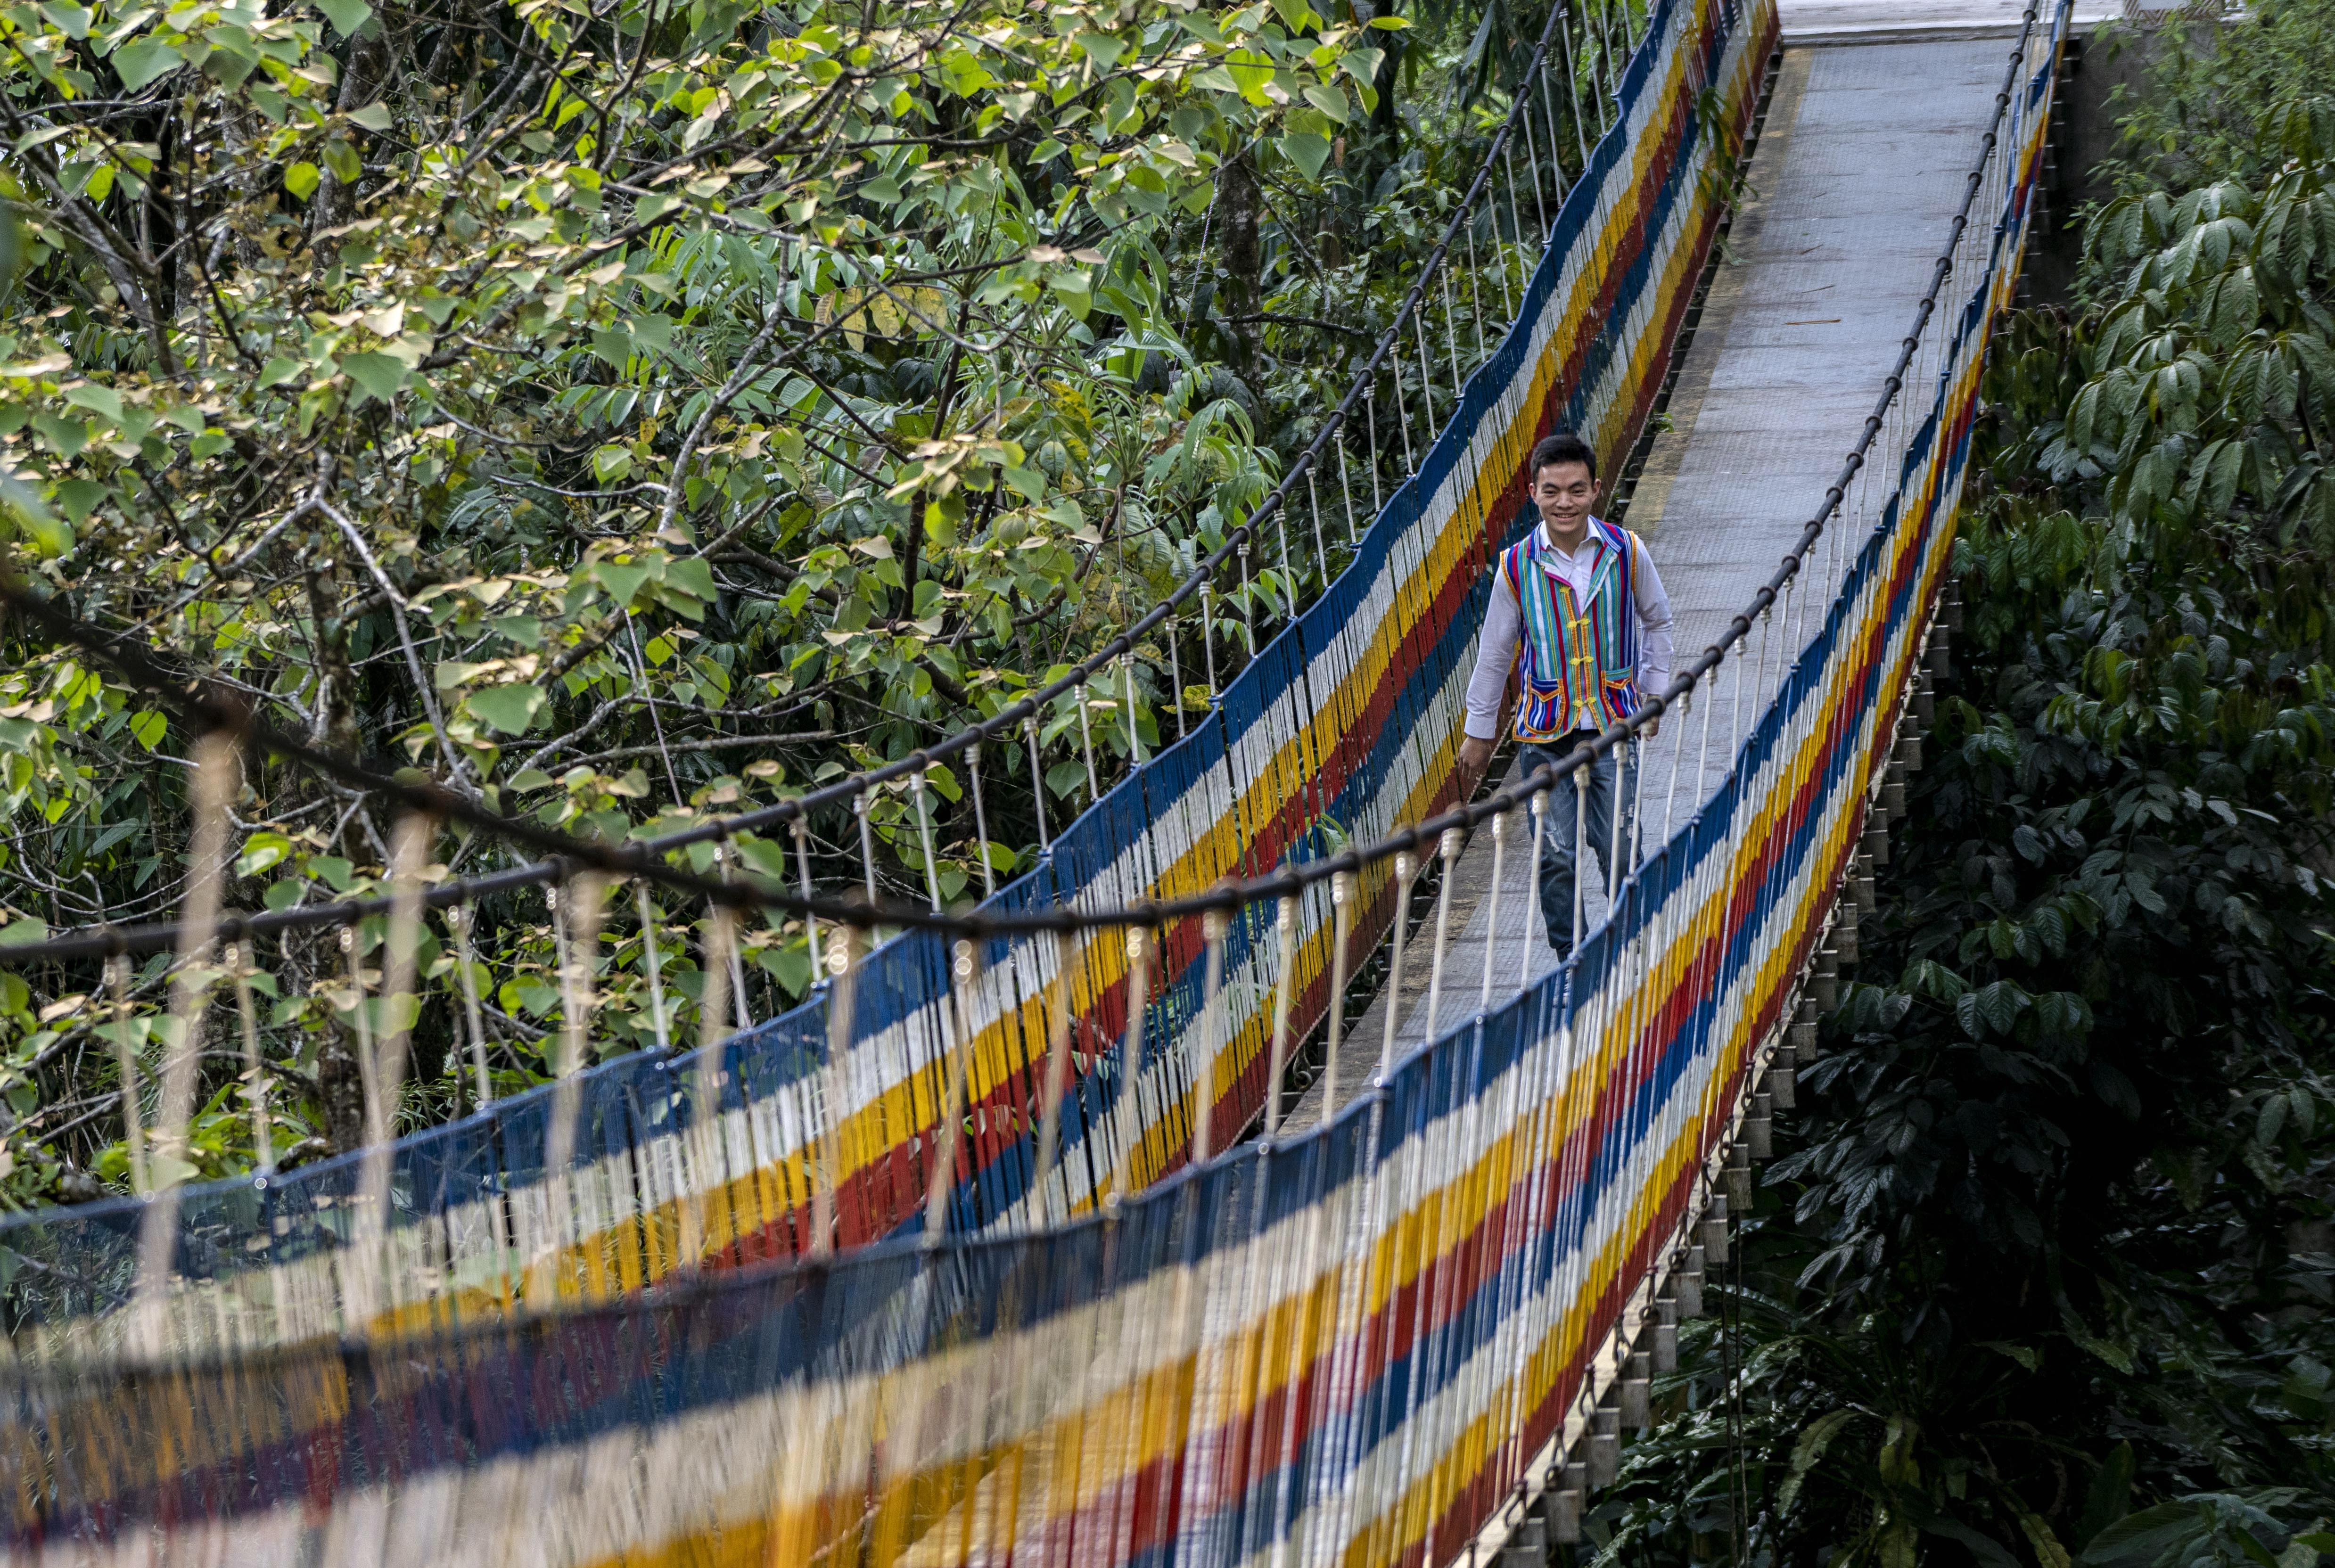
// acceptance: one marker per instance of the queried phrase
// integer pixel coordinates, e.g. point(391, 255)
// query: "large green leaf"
point(1308, 150)
point(624, 583)
point(509, 709)
point(347, 15)
point(380, 375)
point(141, 63)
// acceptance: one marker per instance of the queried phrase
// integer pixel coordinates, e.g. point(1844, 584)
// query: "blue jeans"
point(1556, 867)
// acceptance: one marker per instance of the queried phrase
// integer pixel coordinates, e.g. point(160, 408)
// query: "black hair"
point(1564, 447)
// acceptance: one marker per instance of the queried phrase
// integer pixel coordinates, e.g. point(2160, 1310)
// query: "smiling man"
point(1577, 605)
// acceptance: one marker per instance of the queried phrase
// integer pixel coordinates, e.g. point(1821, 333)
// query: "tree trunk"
point(360, 82)
point(1240, 204)
point(336, 719)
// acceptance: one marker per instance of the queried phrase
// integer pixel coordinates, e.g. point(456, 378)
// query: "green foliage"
point(631, 411)
point(2211, 99)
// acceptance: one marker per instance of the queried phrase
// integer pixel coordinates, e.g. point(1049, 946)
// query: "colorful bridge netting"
point(1350, 715)
point(1347, 1346)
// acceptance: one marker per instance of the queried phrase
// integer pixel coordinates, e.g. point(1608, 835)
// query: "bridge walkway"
point(1855, 177)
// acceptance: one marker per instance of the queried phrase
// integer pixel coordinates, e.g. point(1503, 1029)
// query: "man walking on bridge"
point(1576, 602)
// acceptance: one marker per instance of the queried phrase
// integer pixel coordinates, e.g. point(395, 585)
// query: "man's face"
point(1565, 493)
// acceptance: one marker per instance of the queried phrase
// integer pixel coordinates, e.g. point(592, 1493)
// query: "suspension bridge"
point(1008, 1245)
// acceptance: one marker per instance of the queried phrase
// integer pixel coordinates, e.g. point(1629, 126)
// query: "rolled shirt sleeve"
point(1654, 648)
point(1496, 654)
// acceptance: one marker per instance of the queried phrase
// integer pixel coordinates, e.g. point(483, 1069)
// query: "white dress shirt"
point(1496, 655)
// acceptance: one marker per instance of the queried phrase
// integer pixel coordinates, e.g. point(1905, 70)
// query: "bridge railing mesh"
point(1352, 1344)
point(1343, 727)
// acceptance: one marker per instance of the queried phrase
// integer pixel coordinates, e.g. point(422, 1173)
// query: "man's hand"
point(1475, 755)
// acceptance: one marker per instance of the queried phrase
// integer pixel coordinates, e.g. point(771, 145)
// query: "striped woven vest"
point(1579, 662)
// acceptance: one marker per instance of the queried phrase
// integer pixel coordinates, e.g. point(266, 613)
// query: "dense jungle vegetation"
point(622, 410)
point(2043, 1273)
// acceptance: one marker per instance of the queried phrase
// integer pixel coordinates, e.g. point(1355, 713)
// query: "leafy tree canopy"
point(623, 409)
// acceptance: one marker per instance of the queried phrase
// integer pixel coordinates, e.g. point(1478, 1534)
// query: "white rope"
point(1038, 778)
point(1341, 901)
point(1212, 1036)
point(1796, 607)
point(1702, 753)
point(1426, 362)
point(1573, 90)
point(714, 1003)
point(368, 1269)
point(1678, 756)
point(1760, 695)
point(867, 842)
point(217, 775)
point(653, 961)
point(576, 921)
point(1176, 679)
point(1281, 529)
point(741, 1006)
point(1613, 869)
point(1516, 215)
point(1734, 695)
point(1402, 409)
point(711, 1169)
point(1452, 330)
point(1476, 289)
point(1601, 67)
point(361, 1021)
point(1531, 162)
point(1580, 850)
point(1285, 934)
point(842, 993)
point(1085, 736)
point(1406, 866)
point(810, 920)
point(1346, 485)
point(1492, 915)
point(980, 815)
point(1248, 615)
point(461, 919)
point(1638, 805)
point(255, 1066)
point(125, 1053)
point(1449, 845)
point(950, 1129)
point(1321, 552)
point(1207, 650)
point(924, 835)
point(1123, 1148)
point(1059, 1022)
point(1535, 928)
point(1556, 153)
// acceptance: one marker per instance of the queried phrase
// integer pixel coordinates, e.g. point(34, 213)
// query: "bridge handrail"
point(633, 1091)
